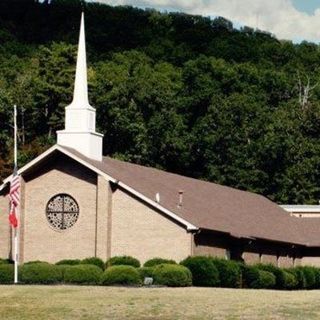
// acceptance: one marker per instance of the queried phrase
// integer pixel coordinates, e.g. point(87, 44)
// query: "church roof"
point(212, 206)
point(205, 205)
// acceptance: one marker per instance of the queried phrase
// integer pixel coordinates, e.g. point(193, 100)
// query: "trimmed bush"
point(82, 274)
point(266, 280)
point(40, 273)
point(35, 261)
point(124, 275)
point(300, 277)
point(172, 275)
point(94, 261)
point(317, 278)
point(290, 281)
point(156, 261)
point(6, 273)
point(123, 261)
point(6, 261)
point(69, 262)
point(258, 279)
point(63, 268)
point(309, 275)
point(249, 274)
point(229, 272)
point(204, 272)
point(277, 272)
point(145, 272)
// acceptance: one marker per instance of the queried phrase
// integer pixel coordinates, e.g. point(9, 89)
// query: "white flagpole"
point(16, 230)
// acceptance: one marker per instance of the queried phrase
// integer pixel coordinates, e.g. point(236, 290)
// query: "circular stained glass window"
point(62, 211)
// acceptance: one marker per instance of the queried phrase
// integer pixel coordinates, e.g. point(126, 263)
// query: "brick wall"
point(4, 227)
point(285, 262)
point(207, 243)
point(310, 261)
point(210, 251)
point(251, 257)
point(140, 231)
point(269, 258)
point(104, 198)
point(41, 241)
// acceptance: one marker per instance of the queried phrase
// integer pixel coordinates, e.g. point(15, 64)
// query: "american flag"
point(14, 199)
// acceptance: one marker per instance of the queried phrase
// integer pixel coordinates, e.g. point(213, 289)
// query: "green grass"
point(97, 303)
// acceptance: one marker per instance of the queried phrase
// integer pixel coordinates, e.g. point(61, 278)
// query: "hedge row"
point(121, 260)
point(198, 271)
point(87, 274)
point(213, 272)
point(74, 262)
point(114, 261)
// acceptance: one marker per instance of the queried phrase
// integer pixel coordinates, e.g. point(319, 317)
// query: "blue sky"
point(308, 6)
point(295, 20)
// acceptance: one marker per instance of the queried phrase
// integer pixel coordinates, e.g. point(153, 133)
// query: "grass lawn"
point(73, 302)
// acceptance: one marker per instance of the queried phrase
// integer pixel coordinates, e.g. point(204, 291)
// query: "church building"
point(76, 203)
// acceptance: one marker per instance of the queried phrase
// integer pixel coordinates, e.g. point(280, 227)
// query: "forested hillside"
point(184, 93)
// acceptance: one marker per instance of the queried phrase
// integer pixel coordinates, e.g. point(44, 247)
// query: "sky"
point(295, 20)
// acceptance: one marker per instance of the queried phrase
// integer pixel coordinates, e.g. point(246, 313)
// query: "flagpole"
point(15, 230)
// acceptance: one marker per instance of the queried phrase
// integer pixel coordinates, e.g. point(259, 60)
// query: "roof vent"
point(180, 198)
point(158, 197)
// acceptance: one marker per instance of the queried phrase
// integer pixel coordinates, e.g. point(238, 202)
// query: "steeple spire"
point(80, 121)
point(80, 94)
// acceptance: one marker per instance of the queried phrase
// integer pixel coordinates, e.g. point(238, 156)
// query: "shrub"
point(204, 273)
point(124, 275)
point(172, 275)
point(94, 261)
point(156, 261)
point(249, 274)
point(145, 272)
point(63, 268)
point(309, 275)
point(266, 280)
point(69, 262)
point(290, 281)
point(123, 261)
point(82, 274)
point(300, 277)
point(6, 261)
point(35, 261)
point(258, 279)
point(317, 278)
point(277, 272)
point(6, 273)
point(284, 279)
point(229, 272)
point(40, 273)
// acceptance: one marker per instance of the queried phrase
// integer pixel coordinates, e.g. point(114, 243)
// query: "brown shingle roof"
point(211, 206)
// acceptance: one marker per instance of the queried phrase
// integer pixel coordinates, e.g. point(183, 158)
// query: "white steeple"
point(80, 119)
point(80, 94)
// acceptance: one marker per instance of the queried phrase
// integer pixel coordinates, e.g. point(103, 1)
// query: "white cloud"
point(277, 16)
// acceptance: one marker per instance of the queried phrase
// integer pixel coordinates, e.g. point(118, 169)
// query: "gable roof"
point(98, 167)
point(205, 205)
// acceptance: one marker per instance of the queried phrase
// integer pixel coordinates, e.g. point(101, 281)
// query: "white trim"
point(301, 208)
point(47, 153)
point(77, 131)
point(86, 164)
point(189, 226)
